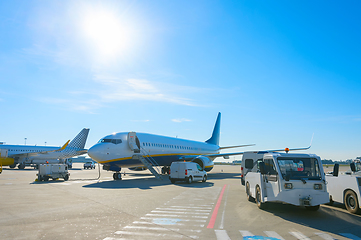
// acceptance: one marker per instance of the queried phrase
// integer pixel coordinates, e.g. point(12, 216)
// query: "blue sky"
point(278, 71)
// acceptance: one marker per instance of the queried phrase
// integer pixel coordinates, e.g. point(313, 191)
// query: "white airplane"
point(123, 149)
point(11, 155)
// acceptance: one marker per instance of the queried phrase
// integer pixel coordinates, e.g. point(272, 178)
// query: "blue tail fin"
point(216, 131)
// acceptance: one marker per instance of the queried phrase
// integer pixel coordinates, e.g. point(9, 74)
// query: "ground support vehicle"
point(345, 188)
point(297, 179)
point(89, 165)
point(187, 171)
point(53, 171)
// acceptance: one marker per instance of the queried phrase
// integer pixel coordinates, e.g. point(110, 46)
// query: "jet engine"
point(204, 162)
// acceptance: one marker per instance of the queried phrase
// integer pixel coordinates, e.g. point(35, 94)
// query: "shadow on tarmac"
point(332, 219)
point(143, 183)
point(148, 181)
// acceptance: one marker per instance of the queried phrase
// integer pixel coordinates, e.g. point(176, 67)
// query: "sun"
point(106, 33)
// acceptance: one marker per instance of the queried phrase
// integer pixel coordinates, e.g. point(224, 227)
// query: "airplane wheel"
point(351, 202)
point(119, 176)
point(21, 166)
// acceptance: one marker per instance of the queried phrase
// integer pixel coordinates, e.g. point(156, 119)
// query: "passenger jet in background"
point(11, 155)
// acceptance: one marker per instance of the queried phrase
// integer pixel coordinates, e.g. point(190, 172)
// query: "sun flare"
point(107, 33)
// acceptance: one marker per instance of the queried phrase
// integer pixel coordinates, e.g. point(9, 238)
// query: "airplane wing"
point(32, 154)
point(238, 146)
point(191, 157)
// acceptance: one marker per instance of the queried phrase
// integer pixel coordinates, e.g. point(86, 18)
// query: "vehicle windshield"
point(299, 168)
point(358, 166)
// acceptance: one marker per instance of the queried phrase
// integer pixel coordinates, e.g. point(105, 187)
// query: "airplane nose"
point(94, 153)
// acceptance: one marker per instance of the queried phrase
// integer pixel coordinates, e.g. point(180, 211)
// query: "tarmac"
point(142, 207)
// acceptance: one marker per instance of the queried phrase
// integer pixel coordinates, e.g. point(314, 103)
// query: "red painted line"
point(215, 211)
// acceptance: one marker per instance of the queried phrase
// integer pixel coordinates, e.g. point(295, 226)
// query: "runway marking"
point(215, 211)
point(246, 233)
point(224, 210)
point(162, 229)
point(222, 235)
point(184, 209)
point(273, 235)
point(350, 236)
point(325, 236)
point(183, 220)
point(152, 234)
point(168, 215)
point(299, 235)
point(157, 211)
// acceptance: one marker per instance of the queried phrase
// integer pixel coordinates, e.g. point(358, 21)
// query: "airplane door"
point(133, 142)
point(272, 186)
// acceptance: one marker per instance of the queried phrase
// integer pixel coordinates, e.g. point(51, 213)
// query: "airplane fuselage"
point(114, 150)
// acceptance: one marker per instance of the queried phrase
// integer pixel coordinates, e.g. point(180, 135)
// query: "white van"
point(186, 171)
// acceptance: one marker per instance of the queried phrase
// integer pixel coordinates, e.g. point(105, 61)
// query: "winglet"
point(64, 146)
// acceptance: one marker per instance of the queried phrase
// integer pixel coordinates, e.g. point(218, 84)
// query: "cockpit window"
point(107, 140)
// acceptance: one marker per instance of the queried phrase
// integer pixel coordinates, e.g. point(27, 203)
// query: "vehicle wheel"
point(66, 178)
point(172, 181)
point(331, 201)
point(115, 176)
point(248, 192)
point(189, 180)
point(312, 208)
point(204, 178)
point(12, 166)
point(351, 201)
point(46, 178)
point(259, 202)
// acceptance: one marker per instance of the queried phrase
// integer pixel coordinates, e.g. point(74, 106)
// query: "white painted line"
point(208, 207)
point(273, 235)
point(222, 235)
point(183, 220)
point(246, 233)
point(325, 236)
point(221, 225)
point(299, 235)
point(162, 229)
point(169, 236)
point(177, 216)
point(350, 236)
point(183, 209)
point(158, 211)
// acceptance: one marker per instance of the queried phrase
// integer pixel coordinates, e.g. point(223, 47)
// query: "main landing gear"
point(165, 170)
point(117, 176)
